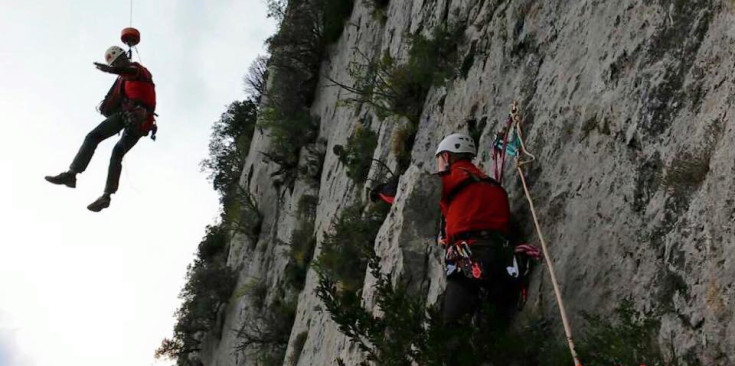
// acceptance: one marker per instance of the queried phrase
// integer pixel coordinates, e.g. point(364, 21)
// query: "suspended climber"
point(129, 106)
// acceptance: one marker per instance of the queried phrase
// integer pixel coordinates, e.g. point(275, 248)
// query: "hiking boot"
point(67, 178)
point(100, 204)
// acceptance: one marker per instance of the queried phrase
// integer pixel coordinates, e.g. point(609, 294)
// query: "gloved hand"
point(103, 67)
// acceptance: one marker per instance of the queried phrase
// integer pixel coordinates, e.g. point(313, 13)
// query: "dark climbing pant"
point(489, 303)
point(464, 296)
point(108, 128)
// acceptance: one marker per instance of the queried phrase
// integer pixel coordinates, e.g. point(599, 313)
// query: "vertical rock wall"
point(625, 106)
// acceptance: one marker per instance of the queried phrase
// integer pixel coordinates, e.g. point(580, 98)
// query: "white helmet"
point(112, 54)
point(457, 143)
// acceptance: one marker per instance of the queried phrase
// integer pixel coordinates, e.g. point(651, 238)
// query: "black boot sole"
point(99, 208)
point(52, 181)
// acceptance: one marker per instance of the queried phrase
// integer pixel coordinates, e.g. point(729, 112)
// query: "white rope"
point(547, 256)
point(138, 53)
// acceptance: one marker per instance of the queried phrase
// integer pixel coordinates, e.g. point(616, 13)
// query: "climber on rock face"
point(475, 225)
point(129, 106)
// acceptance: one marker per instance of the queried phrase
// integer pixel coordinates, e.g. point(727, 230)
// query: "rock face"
point(625, 106)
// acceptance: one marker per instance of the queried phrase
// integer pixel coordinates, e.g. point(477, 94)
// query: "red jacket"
point(477, 206)
point(130, 90)
point(139, 87)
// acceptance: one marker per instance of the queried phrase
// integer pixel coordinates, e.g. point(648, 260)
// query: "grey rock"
point(626, 106)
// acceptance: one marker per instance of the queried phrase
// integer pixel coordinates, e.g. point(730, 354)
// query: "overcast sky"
point(79, 288)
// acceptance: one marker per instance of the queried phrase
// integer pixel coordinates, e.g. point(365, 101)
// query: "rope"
point(547, 257)
point(557, 291)
point(138, 53)
point(129, 180)
point(131, 13)
point(531, 157)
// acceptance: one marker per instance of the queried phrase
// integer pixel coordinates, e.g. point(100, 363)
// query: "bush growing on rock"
point(229, 145)
point(256, 80)
point(357, 154)
point(264, 334)
point(313, 163)
point(301, 248)
point(631, 340)
point(392, 87)
point(307, 27)
point(345, 250)
point(209, 284)
point(241, 214)
point(686, 172)
point(290, 131)
point(405, 331)
point(399, 88)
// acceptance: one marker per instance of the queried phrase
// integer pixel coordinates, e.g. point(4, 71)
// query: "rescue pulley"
point(130, 36)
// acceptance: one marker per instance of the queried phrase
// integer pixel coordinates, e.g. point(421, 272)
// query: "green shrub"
point(306, 208)
point(346, 249)
point(357, 154)
point(394, 88)
point(258, 291)
point(687, 172)
point(398, 88)
point(209, 284)
point(302, 244)
point(264, 334)
point(407, 332)
point(241, 214)
point(301, 251)
point(229, 145)
point(214, 244)
point(256, 80)
point(313, 164)
point(301, 247)
point(307, 27)
point(629, 341)
point(335, 13)
point(289, 133)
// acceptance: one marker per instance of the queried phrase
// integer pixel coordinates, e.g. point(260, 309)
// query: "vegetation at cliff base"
point(209, 284)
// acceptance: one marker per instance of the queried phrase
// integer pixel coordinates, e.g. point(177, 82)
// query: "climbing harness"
point(512, 144)
point(515, 259)
point(458, 258)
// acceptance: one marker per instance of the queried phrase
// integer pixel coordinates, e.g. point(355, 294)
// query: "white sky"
point(78, 288)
